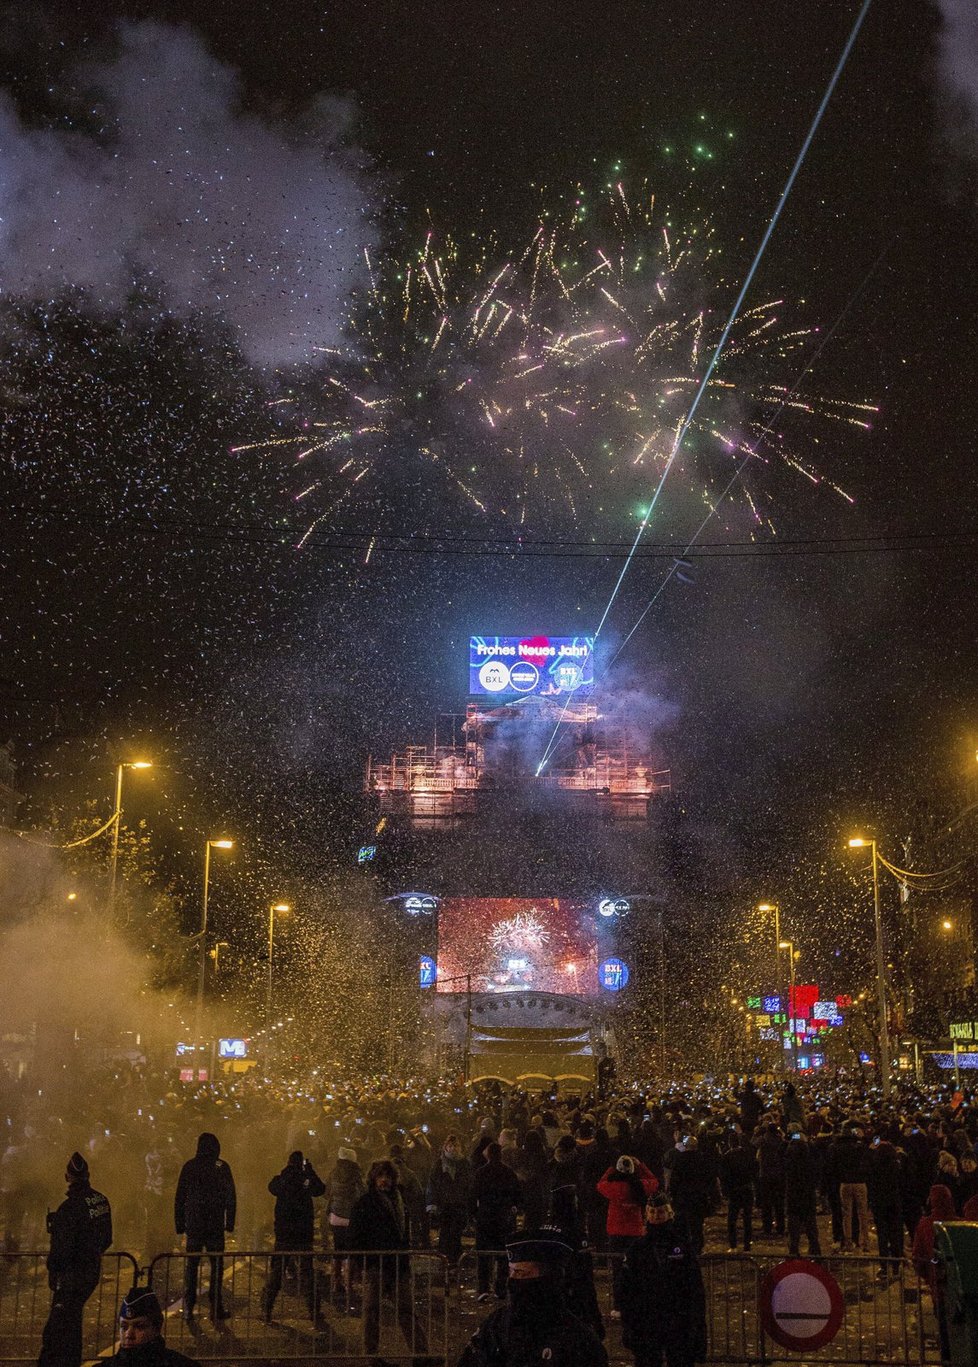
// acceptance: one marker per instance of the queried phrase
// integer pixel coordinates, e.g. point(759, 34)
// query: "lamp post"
point(789, 945)
point(775, 907)
point(202, 956)
point(117, 820)
point(283, 908)
point(858, 843)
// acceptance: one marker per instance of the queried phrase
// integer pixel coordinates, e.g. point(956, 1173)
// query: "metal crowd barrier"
point(883, 1324)
point(328, 1305)
point(25, 1301)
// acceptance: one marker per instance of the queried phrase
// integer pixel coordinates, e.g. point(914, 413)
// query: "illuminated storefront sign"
point(427, 971)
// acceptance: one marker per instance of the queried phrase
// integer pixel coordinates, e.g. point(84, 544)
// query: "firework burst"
point(553, 380)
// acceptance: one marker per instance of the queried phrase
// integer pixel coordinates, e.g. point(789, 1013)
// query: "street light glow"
point(765, 906)
point(281, 906)
point(948, 925)
point(140, 764)
point(221, 844)
point(857, 842)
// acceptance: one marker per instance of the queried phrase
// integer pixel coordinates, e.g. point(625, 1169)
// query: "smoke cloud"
point(958, 52)
point(184, 193)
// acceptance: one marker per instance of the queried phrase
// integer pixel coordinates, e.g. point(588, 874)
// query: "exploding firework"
point(524, 931)
point(552, 380)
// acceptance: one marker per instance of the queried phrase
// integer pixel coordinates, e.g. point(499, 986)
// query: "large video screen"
point(544, 665)
point(517, 944)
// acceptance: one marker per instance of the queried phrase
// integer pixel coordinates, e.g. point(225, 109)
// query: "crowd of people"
point(389, 1166)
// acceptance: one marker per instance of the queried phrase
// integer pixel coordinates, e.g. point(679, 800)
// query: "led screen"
point(517, 944)
point(542, 665)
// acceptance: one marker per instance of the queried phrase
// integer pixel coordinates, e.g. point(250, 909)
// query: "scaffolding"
point(493, 749)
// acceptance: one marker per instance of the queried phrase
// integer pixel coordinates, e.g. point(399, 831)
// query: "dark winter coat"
point(770, 1156)
point(538, 1329)
point(295, 1189)
point(663, 1302)
point(738, 1169)
point(800, 1176)
point(494, 1193)
point(885, 1179)
point(154, 1354)
point(448, 1184)
point(206, 1202)
point(81, 1231)
point(851, 1160)
point(379, 1221)
point(344, 1187)
point(691, 1182)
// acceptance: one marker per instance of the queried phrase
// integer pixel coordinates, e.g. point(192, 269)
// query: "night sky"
point(153, 593)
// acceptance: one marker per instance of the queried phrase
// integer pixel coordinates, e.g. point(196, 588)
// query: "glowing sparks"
point(552, 379)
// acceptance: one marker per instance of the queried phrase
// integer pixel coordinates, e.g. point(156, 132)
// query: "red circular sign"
point(801, 1305)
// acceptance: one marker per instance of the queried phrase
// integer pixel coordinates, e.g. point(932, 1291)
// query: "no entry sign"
point(801, 1305)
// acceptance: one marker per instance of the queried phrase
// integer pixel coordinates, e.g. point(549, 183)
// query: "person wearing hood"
point(380, 1224)
point(448, 1197)
point(295, 1189)
point(536, 1324)
point(940, 1206)
point(141, 1341)
point(81, 1231)
point(203, 1210)
point(662, 1295)
point(414, 1198)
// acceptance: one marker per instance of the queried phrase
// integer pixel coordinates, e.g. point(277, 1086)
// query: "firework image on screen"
point(517, 944)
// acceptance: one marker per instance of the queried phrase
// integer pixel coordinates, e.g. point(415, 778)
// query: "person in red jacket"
point(940, 1206)
point(626, 1187)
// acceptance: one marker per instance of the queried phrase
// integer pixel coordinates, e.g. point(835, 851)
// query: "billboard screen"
point(518, 944)
point(525, 666)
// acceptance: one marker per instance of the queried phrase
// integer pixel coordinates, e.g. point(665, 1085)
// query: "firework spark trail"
point(751, 452)
point(765, 239)
point(541, 378)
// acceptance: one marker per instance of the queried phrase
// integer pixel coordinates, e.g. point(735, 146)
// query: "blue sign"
point(366, 853)
point(232, 1048)
point(427, 971)
point(836, 1021)
point(548, 666)
point(613, 974)
point(772, 1005)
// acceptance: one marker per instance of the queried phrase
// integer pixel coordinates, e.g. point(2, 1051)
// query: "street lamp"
point(117, 821)
point(202, 956)
point(789, 945)
point(283, 908)
point(776, 908)
point(858, 843)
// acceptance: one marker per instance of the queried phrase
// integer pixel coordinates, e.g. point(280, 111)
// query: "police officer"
point(81, 1231)
point(663, 1303)
point(141, 1342)
point(535, 1325)
point(204, 1209)
point(295, 1188)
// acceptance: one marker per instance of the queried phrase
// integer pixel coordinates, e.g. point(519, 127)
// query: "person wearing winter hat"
point(81, 1231)
point(536, 1322)
point(626, 1187)
point(344, 1187)
point(204, 1210)
point(141, 1341)
point(295, 1189)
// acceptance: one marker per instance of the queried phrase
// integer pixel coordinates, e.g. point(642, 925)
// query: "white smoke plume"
point(958, 52)
point(185, 193)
